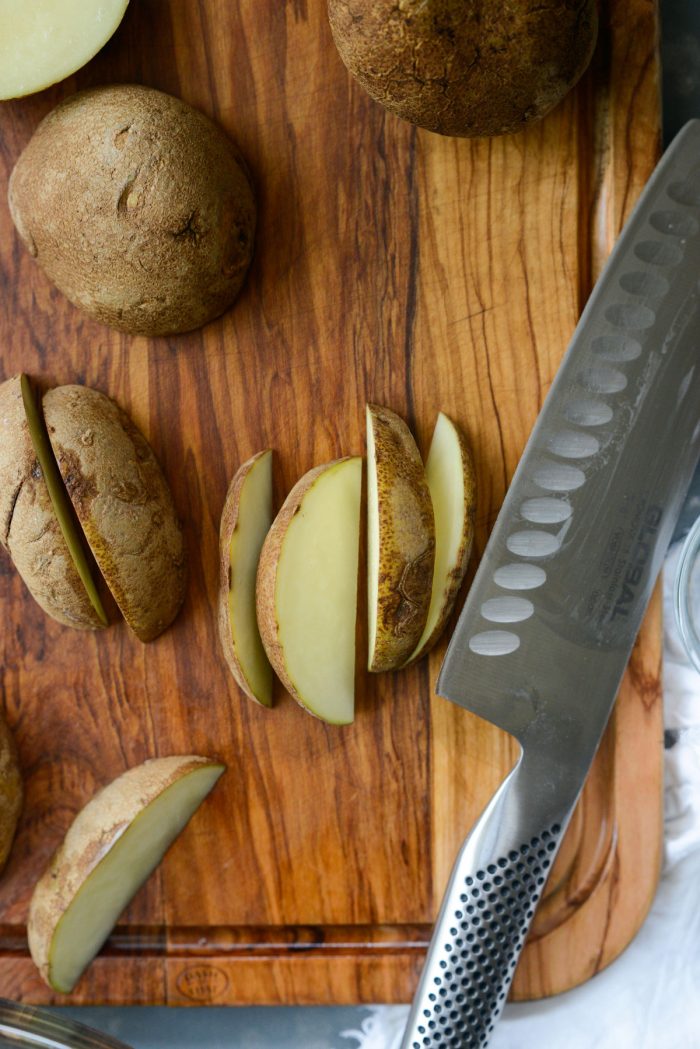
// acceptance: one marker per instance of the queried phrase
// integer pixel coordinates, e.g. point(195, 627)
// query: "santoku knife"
point(550, 621)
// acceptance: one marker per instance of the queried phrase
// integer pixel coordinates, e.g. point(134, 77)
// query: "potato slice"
point(11, 791)
point(400, 540)
point(111, 848)
point(65, 514)
point(449, 471)
point(245, 522)
point(17, 456)
point(37, 524)
point(307, 590)
point(123, 503)
point(45, 41)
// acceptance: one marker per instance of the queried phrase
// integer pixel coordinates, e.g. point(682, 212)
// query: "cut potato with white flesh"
point(307, 590)
point(44, 41)
point(400, 540)
point(112, 847)
point(62, 508)
point(37, 525)
point(245, 522)
point(449, 471)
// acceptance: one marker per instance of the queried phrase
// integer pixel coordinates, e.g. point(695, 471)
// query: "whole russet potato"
point(466, 67)
point(137, 207)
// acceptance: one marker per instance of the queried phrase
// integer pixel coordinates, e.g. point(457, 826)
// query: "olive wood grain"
point(392, 266)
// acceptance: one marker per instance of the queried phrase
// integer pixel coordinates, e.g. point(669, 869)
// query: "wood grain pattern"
point(391, 266)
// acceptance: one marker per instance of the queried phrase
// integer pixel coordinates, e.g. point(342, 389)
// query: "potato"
point(245, 521)
point(46, 40)
point(17, 456)
point(400, 541)
point(137, 207)
point(123, 504)
point(449, 472)
point(11, 791)
point(49, 563)
point(470, 69)
point(112, 847)
point(307, 590)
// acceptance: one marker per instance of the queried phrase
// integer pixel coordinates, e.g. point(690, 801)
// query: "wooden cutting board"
point(392, 265)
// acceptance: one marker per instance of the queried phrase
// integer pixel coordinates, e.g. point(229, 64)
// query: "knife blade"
point(549, 623)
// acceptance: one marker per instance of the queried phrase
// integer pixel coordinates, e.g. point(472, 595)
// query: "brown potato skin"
point(29, 529)
point(137, 207)
point(11, 791)
point(17, 456)
point(92, 833)
point(477, 68)
point(406, 541)
point(123, 504)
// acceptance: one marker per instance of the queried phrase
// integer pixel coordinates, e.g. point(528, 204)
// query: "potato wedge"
point(123, 504)
point(400, 541)
point(245, 521)
point(449, 471)
point(110, 850)
point(42, 43)
point(17, 458)
point(11, 791)
point(39, 532)
point(307, 590)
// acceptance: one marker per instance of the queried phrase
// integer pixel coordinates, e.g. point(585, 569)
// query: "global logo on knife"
point(641, 552)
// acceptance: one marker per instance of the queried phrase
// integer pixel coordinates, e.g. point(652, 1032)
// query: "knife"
point(549, 623)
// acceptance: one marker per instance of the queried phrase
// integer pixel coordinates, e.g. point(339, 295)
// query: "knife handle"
point(495, 886)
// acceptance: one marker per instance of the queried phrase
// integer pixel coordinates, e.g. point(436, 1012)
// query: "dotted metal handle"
point(488, 907)
point(477, 941)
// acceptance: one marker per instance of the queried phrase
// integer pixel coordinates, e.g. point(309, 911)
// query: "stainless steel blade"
point(569, 568)
point(551, 618)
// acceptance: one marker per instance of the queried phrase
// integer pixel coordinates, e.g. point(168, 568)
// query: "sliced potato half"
point(449, 471)
point(245, 522)
point(400, 540)
point(62, 507)
point(307, 590)
point(123, 503)
point(46, 40)
point(110, 850)
point(37, 525)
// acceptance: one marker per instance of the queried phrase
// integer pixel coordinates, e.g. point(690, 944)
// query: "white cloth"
point(649, 998)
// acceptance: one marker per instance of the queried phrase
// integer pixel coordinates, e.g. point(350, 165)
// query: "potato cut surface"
point(61, 504)
point(450, 475)
point(245, 523)
point(315, 593)
point(46, 549)
point(43, 41)
point(129, 852)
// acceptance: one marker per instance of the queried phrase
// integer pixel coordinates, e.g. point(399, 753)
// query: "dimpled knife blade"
point(549, 623)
